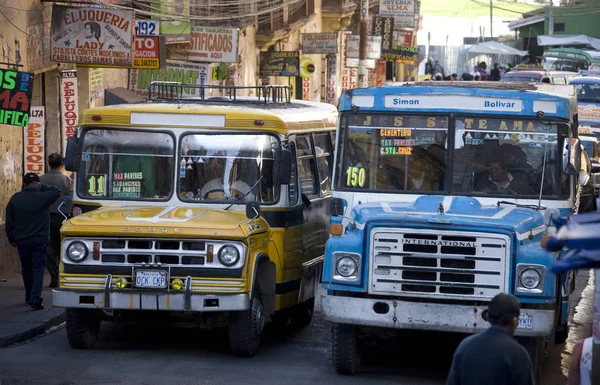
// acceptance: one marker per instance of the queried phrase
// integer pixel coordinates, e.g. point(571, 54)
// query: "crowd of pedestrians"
point(480, 72)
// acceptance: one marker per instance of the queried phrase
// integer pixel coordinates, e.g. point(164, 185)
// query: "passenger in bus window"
point(422, 176)
point(500, 180)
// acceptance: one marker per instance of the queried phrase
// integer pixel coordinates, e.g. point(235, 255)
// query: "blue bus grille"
point(434, 264)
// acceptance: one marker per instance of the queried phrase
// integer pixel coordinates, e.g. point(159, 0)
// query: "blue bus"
point(588, 104)
point(442, 194)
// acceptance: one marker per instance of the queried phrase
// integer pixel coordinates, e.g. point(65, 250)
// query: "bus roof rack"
point(174, 92)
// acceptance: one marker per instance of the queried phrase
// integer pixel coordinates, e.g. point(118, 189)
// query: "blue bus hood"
point(458, 211)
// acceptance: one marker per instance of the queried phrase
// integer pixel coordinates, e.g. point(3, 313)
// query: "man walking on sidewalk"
point(494, 356)
point(27, 228)
point(56, 178)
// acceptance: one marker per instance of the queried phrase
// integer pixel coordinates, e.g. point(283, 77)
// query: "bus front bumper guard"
point(426, 316)
point(149, 300)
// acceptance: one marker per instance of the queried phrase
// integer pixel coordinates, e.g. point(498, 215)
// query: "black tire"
point(562, 334)
point(245, 329)
point(536, 349)
point(82, 328)
point(302, 314)
point(346, 349)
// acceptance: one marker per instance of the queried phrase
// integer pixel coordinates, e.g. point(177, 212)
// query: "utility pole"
point(362, 55)
point(551, 19)
point(491, 20)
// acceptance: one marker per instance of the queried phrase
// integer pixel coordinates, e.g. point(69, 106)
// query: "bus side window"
point(545, 80)
point(293, 186)
point(324, 153)
point(306, 166)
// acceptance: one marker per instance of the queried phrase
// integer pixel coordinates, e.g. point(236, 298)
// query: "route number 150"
point(355, 177)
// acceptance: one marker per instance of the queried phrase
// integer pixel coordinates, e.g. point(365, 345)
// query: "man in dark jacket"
point(494, 357)
point(28, 228)
point(55, 178)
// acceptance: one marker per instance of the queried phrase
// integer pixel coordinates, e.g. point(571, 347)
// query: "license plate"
point(154, 279)
point(526, 321)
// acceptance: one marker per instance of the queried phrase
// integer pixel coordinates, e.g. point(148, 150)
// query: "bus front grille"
point(436, 264)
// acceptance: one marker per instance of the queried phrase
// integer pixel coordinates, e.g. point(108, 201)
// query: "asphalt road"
point(127, 355)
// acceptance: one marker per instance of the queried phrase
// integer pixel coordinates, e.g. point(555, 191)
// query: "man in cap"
point(494, 356)
point(55, 178)
point(28, 228)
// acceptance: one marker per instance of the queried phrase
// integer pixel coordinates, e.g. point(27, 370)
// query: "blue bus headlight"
point(77, 251)
point(530, 278)
point(347, 266)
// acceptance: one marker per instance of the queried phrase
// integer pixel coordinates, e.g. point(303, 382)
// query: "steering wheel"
point(205, 196)
point(237, 193)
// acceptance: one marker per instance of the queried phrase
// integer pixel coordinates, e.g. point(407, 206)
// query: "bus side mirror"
point(337, 207)
point(70, 161)
point(572, 157)
point(252, 210)
point(285, 167)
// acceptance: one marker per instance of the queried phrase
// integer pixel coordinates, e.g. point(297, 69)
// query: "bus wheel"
point(245, 329)
point(536, 349)
point(302, 313)
point(346, 349)
point(82, 328)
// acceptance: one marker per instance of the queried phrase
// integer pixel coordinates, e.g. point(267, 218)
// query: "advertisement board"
point(69, 105)
point(209, 44)
point(148, 52)
point(373, 47)
point(15, 97)
point(319, 43)
point(175, 71)
point(280, 63)
point(34, 145)
point(403, 12)
point(98, 36)
point(384, 27)
point(176, 30)
point(331, 95)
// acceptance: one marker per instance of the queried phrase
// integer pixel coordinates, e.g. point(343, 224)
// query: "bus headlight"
point(229, 255)
point(531, 278)
point(77, 251)
point(347, 266)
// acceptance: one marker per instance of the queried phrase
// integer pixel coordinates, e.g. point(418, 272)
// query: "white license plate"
point(526, 321)
point(151, 279)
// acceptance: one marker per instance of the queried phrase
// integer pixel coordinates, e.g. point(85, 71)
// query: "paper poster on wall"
point(69, 106)
point(34, 147)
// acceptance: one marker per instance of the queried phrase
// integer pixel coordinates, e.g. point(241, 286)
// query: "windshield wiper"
point(533, 207)
point(246, 194)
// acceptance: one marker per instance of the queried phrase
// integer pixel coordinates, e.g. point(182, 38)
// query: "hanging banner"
point(102, 37)
point(403, 12)
point(279, 63)
point(384, 27)
point(15, 97)
point(176, 30)
point(209, 44)
point(305, 88)
point(331, 94)
point(175, 71)
point(69, 105)
point(34, 144)
point(319, 43)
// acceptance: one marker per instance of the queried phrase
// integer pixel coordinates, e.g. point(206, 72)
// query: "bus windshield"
point(228, 168)
point(588, 93)
point(126, 165)
point(410, 154)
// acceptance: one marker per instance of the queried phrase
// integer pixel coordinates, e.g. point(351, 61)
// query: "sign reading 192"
point(146, 27)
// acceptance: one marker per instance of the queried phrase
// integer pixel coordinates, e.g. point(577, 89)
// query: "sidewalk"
point(18, 321)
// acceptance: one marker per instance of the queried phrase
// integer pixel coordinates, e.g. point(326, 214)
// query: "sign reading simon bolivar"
point(280, 63)
point(98, 36)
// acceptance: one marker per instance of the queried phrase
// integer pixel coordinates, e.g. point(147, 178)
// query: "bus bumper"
point(426, 316)
point(160, 301)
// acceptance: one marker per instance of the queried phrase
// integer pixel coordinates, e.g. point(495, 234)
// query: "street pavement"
point(128, 355)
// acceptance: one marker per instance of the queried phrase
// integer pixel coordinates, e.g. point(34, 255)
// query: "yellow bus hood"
point(162, 222)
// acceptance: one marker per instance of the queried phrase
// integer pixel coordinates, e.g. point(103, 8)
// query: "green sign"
point(176, 30)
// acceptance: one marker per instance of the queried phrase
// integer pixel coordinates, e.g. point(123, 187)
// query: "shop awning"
point(121, 95)
point(568, 40)
point(494, 48)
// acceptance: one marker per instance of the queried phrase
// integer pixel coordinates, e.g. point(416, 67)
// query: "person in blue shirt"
point(494, 357)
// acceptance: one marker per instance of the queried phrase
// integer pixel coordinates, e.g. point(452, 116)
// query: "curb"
point(33, 332)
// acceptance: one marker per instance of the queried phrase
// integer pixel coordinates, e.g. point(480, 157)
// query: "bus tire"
point(82, 327)
point(346, 349)
point(302, 314)
point(245, 329)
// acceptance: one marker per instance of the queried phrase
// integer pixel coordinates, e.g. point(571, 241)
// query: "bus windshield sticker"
point(356, 176)
point(96, 185)
point(127, 184)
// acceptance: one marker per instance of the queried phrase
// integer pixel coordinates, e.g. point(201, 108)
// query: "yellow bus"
point(212, 210)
